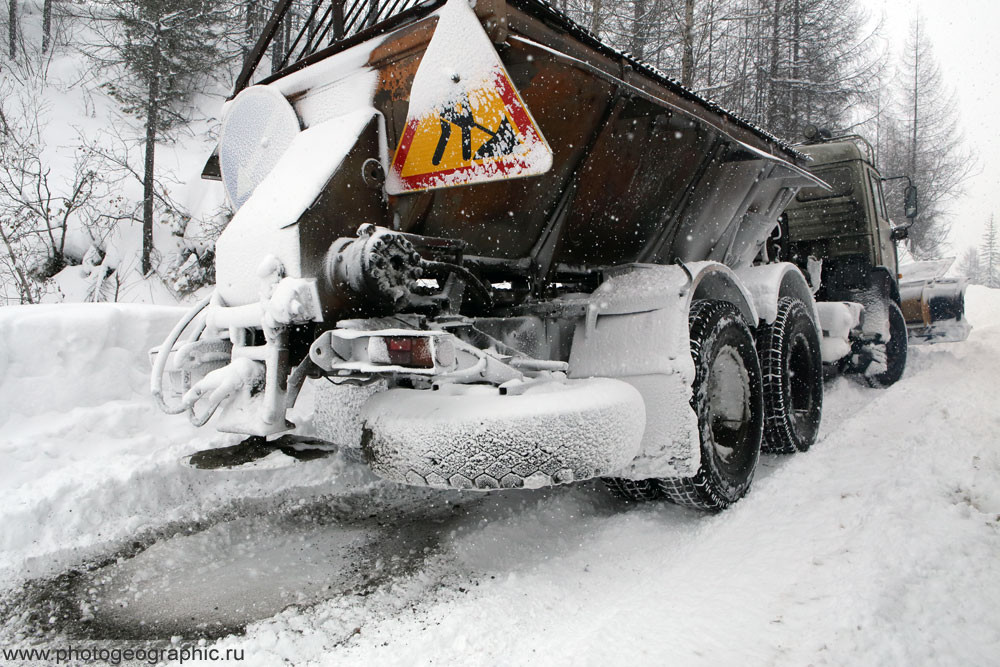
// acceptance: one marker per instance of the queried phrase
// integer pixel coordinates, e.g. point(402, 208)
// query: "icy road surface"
point(880, 546)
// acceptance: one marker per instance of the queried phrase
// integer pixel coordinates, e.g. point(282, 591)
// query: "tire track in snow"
point(853, 553)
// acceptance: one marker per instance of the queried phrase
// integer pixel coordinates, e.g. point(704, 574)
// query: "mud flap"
point(255, 448)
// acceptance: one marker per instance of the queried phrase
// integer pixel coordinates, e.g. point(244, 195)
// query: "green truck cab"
point(847, 226)
point(845, 230)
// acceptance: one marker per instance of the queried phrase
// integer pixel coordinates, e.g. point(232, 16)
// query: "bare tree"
point(819, 66)
point(37, 210)
point(687, 48)
point(926, 144)
point(12, 28)
point(596, 16)
point(46, 25)
point(781, 63)
point(640, 27)
point(970, 266)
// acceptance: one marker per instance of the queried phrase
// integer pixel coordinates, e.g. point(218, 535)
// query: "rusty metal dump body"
point(642, 170)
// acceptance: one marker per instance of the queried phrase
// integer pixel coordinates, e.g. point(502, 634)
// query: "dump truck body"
point(641, 170)
point(523, 258)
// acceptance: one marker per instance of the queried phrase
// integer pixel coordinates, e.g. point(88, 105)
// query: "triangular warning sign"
point(466, 122)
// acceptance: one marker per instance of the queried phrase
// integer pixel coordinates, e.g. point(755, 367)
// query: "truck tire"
point(471, 437)
point(634, 490)
point(727, 396)
point(895, 350)
point(791, 363)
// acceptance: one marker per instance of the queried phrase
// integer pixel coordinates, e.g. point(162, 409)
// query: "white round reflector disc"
point(259, 126)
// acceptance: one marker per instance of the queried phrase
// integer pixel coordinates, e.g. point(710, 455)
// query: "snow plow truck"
point(507, 255)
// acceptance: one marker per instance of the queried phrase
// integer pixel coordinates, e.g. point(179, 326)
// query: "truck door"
point(886, 249)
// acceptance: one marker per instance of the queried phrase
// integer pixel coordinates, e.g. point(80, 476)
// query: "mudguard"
point(770, 282)
point(636, 330)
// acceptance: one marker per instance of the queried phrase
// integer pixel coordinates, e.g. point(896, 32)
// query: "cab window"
point(839, 179)
point(876, 184)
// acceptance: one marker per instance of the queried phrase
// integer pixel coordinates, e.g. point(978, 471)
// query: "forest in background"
point(147, 75)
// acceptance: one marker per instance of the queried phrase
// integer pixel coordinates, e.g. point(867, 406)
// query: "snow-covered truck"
point(506, 255)
point(846, 225)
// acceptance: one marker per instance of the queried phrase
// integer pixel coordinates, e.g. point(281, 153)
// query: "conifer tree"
point(160, 50)
point(990, 254)
point(925, 143)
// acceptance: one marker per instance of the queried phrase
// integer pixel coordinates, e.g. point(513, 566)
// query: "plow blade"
point(934, 307)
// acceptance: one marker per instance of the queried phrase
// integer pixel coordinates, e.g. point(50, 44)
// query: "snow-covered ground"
point(878, 547)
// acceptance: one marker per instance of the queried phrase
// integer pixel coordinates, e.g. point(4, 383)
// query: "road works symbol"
point(483, 135)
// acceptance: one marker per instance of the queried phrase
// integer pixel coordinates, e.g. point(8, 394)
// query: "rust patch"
point(403, 43)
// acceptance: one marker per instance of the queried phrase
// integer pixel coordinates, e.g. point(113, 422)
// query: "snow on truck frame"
point(520, 257)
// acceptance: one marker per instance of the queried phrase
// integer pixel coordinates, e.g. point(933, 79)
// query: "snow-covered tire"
point(895, 350)
point(791, 363)
point(471, 437)
point(727, 396)
point(634, 490)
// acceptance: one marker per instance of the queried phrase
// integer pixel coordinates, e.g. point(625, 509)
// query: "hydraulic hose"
point(470, 278)
point(160, 364)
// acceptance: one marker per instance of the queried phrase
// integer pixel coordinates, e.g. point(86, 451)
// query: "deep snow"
point(877, 547)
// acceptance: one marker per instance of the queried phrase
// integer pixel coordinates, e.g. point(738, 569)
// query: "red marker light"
point(409, 351)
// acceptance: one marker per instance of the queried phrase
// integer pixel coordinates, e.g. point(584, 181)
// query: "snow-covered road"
point(880, 546)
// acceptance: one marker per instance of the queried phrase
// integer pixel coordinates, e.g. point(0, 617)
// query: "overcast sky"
point(966, 46)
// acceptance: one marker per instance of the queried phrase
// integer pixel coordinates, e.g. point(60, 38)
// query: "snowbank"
point(65, 96)
point(88, 459)
point(982, 307)
point(58, 357)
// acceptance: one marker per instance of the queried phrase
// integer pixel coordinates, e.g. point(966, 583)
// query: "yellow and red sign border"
point(507, 166)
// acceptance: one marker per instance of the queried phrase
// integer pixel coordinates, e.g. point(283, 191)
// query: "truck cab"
point(844, 230)
point(846, 226)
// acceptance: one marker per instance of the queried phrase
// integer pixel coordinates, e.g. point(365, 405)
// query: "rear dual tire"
point(749, 394)
point(791, 362)
point(727, 397)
